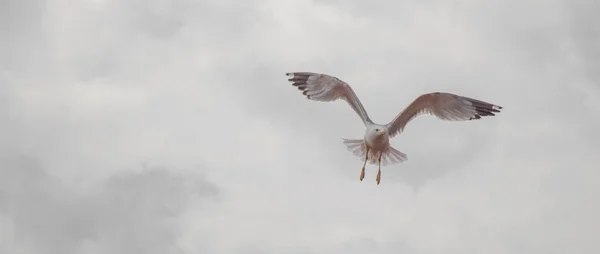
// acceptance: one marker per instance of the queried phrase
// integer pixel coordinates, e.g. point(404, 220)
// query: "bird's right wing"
point(323, 87)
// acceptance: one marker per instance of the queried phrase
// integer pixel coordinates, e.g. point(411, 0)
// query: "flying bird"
point(375, 147)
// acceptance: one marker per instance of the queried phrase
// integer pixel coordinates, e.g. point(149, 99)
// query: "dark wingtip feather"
point(297, 79)
point(483, 109)
point(497, 108)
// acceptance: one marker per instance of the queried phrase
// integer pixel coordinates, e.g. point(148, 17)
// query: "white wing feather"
point(445, 106)
point(323, 87)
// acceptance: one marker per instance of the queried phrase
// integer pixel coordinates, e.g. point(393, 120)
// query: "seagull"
point(375, 147)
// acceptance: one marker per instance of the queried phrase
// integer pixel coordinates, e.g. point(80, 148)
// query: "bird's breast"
point(378, 141)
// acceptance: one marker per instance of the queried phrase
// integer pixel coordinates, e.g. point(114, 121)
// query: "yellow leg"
point(362, 172)
point(379, 172)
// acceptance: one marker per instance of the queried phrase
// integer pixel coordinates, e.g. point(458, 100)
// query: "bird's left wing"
point(445, 106)
point(323, 87)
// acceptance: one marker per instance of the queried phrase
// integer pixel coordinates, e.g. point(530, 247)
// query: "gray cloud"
point(585, 34)
point(127, 213)
point(92, 88)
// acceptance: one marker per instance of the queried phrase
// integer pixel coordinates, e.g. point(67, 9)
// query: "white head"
point(376, 133)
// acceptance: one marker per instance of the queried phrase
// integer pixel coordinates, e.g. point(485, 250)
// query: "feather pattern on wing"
point(445, 106)
point(323, 87)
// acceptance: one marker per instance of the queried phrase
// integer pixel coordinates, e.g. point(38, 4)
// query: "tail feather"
point(356, 146)
point(388, 157)
point(392, 156)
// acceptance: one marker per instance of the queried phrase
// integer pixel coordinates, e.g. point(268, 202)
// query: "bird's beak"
point(382, 132)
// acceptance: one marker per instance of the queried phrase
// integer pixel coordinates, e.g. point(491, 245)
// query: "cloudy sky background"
point(169, 127)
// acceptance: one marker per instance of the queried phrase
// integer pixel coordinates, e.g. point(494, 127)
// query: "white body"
point(377, 142)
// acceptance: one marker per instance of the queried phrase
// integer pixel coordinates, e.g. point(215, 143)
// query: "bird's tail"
point(388, 157)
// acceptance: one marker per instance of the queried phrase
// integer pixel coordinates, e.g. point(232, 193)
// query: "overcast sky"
point(168, 126)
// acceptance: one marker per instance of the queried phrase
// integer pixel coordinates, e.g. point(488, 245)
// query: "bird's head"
point(378, 131)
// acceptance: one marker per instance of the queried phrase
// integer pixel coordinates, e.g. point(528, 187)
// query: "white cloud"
point(95, 88)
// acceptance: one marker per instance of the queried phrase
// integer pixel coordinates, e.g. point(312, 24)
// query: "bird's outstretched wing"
point(323, 87)
point(445, 106)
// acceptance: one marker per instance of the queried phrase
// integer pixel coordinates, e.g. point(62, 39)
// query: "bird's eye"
point(376, 129)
